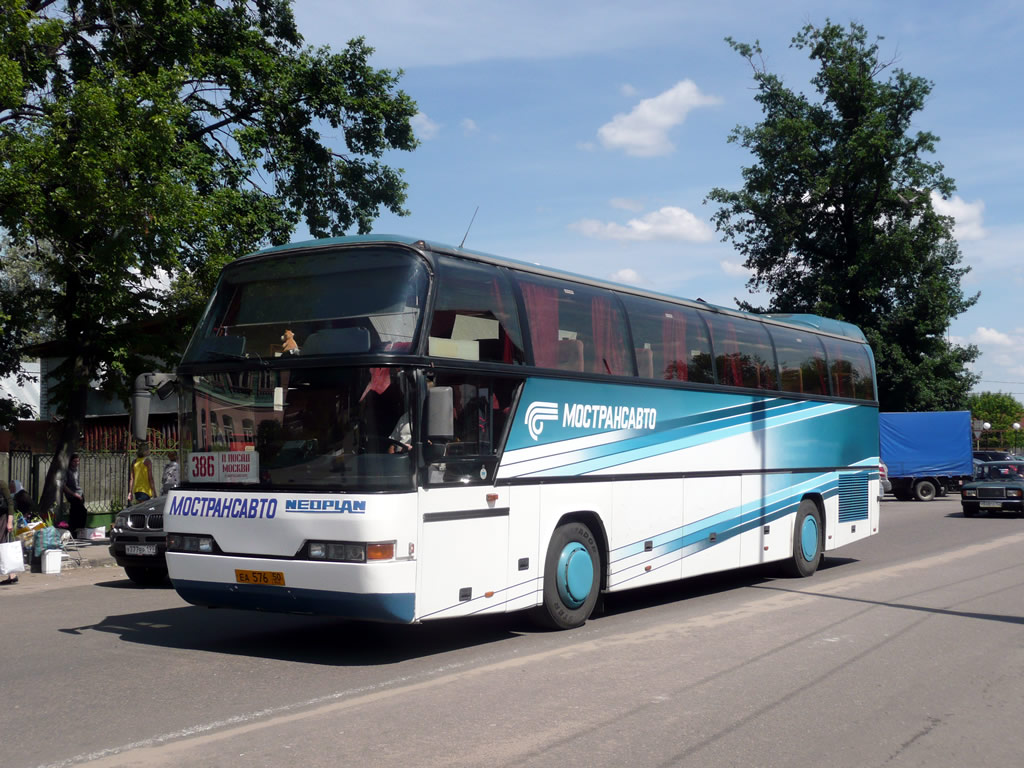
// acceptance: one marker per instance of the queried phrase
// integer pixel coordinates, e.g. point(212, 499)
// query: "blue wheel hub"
point(809, 538)
point(575, 574)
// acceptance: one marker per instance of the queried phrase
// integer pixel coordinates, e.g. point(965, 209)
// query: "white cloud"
point(644, 131)
point(733, 269)
point(627, 275)
point(968, 216)
point(469, 127)
point(983, 335)
point(424, 128)
point(668, 223)
point(625, 204)
point(627, 90)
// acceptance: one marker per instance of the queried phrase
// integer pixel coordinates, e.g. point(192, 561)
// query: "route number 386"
point(203, 466)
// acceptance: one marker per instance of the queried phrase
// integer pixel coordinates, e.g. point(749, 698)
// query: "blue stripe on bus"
point(729, 522)
point(393, 607)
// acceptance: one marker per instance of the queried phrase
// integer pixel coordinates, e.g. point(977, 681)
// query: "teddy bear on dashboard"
point(290, 347)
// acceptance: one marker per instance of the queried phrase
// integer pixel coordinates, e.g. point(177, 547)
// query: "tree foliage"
point(835, 217)
point(1000, 410)
point(147, 140)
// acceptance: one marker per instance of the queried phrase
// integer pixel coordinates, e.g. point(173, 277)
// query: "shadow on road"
point(129, 584)
point(702, 586)
point(338, 642)
point(908, 606)
point(305, 639)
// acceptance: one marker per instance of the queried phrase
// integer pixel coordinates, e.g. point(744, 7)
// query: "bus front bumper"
point(371, 592)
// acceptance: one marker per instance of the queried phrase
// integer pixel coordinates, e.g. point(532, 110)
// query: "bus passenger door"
point(463, 551)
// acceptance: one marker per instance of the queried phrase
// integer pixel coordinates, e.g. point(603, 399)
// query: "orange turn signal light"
point(385, 551)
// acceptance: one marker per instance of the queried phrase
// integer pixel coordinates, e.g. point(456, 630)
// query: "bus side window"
point(801, 357)
point(743, 352)
point(475, 314)
point(575, 327)
point(670, 341)
point(481, 406)
point(850, 369)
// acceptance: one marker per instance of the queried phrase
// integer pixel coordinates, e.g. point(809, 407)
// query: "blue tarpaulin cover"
point(935, 444)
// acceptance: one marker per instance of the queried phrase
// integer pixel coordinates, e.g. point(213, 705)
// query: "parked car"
point(138, 542)
point(998, 486)
point(993, 455)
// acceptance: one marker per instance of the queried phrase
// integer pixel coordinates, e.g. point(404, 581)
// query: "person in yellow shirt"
point(140, 477)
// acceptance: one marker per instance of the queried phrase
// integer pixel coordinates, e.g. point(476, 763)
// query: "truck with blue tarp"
point(927, 454)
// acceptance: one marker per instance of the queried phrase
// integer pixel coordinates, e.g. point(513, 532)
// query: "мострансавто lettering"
point(213, 506)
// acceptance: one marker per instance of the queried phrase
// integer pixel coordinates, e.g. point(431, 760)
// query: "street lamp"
point(1016, 429)
point(985, 426)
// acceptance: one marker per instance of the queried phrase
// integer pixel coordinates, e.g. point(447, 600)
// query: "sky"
point(586, 135)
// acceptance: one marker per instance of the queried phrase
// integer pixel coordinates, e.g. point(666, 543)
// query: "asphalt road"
point(904, 650)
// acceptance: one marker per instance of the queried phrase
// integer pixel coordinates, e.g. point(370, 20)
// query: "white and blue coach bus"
point(384, 428)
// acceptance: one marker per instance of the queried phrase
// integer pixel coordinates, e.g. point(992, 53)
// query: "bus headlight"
point(179, 542)
point(338, 551)
point(351, 552)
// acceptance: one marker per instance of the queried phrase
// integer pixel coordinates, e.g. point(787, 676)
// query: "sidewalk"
point(93, 554)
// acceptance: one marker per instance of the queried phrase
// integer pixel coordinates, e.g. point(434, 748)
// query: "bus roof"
point(818, 323)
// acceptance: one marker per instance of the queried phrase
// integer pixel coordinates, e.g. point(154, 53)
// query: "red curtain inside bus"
point(542, 310)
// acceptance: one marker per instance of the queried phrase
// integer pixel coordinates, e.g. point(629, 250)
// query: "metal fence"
point(103, 474)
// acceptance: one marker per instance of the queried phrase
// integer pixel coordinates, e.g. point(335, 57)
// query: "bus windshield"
point(324, 303)
point(307, 428)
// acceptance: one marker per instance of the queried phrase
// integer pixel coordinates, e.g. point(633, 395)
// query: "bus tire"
point(572, 578)
point(807, 535)
point(924, 490)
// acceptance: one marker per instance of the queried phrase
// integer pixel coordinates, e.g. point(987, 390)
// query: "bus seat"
point(570, 355)
point(645, 362)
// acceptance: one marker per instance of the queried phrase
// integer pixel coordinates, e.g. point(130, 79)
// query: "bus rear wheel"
point(572, 578)
point(807, 531)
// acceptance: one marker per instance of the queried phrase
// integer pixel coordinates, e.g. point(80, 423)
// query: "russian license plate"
point(992, 505)
point(140, 549)
point(273, 578)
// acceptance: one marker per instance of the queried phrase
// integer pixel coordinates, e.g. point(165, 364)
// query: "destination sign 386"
point(224, 467)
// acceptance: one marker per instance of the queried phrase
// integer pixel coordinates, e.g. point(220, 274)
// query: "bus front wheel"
point(807, 531)
point(572, 577)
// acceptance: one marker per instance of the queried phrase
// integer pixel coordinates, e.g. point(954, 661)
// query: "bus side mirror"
point(164, 384)
point(140, 412)
point(440, 413)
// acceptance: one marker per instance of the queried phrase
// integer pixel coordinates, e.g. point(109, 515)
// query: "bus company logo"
point(537, 413)
point(590, 416)
point(351, 506)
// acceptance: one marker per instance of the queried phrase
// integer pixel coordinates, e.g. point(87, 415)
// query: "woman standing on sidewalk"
point(140, 477)
point(7, 513)
point(75, 495)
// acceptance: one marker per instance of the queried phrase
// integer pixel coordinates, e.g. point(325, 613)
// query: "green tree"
point(1000, 410)
point(144, 141)
point(835, 217)
point(24, 279)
